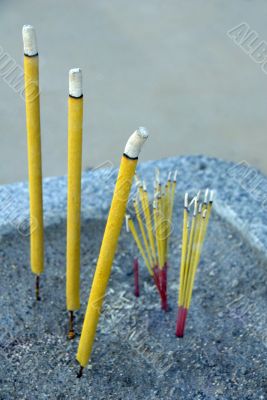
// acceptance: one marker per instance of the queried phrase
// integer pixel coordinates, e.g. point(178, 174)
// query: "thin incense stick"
point(109, 243)
point(131, 228)
point(161, 244)
point(171, 193)
point(184, 248)
point(143, 232)
point(75, 122)
point(191, 253)
point(148, 219)
point(156, 227)
point(155, 230)
point(136, 277)
point(31, 78)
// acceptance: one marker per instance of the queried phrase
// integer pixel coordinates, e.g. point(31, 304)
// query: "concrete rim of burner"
point(240, 194)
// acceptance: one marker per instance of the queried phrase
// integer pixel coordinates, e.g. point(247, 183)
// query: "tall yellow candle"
point(75, 122)
point(31, 76)
point(109, 243)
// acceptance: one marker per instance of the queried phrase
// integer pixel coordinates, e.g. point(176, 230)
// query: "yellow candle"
point(109, 243)
point(31, 76)
point(75, 122)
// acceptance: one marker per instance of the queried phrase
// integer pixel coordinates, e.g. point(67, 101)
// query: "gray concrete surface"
point(167, 65)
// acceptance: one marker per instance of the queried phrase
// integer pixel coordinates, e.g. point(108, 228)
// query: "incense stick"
point(143, 232)
point(109, 243)
point(130, 227)
point(136, 277)
point(31, 78)
point(148, 220)
point(75, 122)
point(155, 229)
point(194, 232)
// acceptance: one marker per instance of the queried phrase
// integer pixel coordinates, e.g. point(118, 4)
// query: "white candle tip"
point(29, 40)
point(136, 142)
point(75, 82)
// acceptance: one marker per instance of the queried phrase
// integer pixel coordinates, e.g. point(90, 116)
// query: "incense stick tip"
point(157, 175)
point(136, 142)
point(206, 196)
point(186, 200)
point(75, 82)
point(138, 181)
point(29, 40)
point(195, 206)
point(144, 186)
point(127, 217)
point(211, 196)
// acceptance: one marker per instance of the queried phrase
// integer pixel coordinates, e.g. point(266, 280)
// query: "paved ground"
point(167, 65)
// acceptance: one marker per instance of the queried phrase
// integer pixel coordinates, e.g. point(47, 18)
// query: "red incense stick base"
point(136, 278)
point(160, 279)
point(163, 284)
point(156, 279)
point(181, 321)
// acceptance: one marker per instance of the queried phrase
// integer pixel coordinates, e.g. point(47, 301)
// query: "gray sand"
point(136, 354)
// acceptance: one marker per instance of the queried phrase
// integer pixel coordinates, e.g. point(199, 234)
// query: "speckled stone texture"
point(136, 354)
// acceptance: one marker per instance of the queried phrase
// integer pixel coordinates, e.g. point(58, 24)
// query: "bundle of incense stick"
point(194, 231)
point(155, 225)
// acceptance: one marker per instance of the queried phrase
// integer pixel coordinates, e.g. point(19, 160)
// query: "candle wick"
point(80, 373)
point(71, 334)
point(37, 288)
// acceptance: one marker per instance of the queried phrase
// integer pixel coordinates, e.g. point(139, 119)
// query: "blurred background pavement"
point(167, 65)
